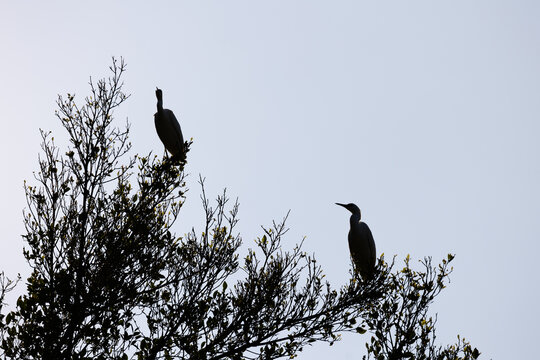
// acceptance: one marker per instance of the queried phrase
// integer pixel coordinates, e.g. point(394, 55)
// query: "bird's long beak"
point(341, 205)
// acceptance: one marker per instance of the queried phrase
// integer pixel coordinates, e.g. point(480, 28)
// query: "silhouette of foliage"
point(110, 280)
point(400, 322)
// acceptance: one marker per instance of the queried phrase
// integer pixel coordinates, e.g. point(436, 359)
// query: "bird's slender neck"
point(355, 219)
point(160, 104)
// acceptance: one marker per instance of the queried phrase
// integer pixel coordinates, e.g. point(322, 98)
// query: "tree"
point(110, 280)
point(400, 322)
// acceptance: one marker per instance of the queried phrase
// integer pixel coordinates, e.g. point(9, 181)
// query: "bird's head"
point(351, 207)
point(159, 93)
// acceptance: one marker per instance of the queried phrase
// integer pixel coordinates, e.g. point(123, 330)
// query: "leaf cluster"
point(401, 326)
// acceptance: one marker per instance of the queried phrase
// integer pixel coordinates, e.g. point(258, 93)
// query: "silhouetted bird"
point(168, 129)
point(361, 243)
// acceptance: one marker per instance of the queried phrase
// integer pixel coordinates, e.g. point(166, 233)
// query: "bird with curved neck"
point(361, 243)
point(168, 129)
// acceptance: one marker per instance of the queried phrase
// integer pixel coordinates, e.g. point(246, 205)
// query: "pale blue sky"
point(425, 114)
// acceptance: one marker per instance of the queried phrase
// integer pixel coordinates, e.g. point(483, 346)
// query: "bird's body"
point(361, 243)
point(168, 129)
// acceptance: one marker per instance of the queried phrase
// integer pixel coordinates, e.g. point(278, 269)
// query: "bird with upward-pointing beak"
point(168, 129)
point(361, 243)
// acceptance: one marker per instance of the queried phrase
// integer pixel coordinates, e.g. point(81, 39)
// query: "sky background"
point(425, 114)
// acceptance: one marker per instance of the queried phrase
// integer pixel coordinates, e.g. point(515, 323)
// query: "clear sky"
point(424, 113)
